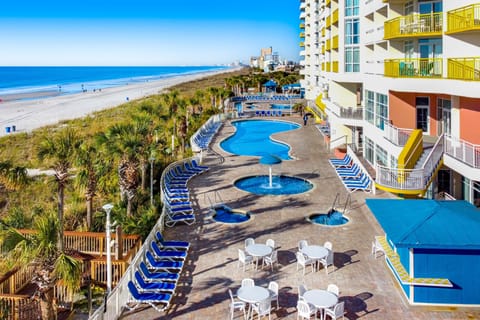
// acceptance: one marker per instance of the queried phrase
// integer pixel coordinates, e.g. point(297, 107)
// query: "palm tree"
point(60, 149)
point(126, 141)
point(11, 177)
point(92, 170)
point(40, 250)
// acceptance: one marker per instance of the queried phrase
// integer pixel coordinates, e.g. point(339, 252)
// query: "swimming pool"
point(281, 107)
point(252, 138)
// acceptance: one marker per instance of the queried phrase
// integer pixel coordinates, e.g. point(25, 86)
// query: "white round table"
point(315, 252)
point(321, 299)
point(258, 250)
point(253, 294)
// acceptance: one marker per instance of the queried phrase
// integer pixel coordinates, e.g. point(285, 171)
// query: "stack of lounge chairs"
point(176, 198)
point(268, 113)
point(155, 280)
point(204, 136)
point(351, 174)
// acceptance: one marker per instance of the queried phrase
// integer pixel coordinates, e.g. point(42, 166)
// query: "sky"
point(145, 32)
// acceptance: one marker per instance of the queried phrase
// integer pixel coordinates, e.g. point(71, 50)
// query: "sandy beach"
point(27, 115)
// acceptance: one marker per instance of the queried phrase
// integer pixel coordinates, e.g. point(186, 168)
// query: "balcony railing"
point(414, 68)
point(335, 42)
point(355, 113)
point(302, 34)
point(335, 16)
point(464, 19)
point(328, 67)
point(302, 44)
point(463, 151)
point(328, 22)
point(416, 180)
point(302, 25)
point(328, 45)
point(414, 25)
point(397, 136)
point(335, 66)
point(464, 68)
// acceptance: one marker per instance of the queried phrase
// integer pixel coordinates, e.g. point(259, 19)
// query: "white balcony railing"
point(345, 112)
point(411, 179)
point(463, 151)
point(397, 136)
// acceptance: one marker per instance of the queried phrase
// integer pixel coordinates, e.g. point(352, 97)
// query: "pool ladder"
point(348, 201)
point(216, 198)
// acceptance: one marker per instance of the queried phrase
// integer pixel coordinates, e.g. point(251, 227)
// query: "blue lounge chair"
point(362, 184)
point(352, 173)
point(191, 168)
point(172, 243)
point(345, 162)
point(157, 276)
point(151, 299)
point(171, 220)
point(162, 264)
point(196, 165)
point(157, 286)
point(167, 254)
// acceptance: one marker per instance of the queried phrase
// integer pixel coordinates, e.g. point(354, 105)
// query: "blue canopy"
point(270, 83)
point(270, 159)
point(428, 223)
point(291, 86)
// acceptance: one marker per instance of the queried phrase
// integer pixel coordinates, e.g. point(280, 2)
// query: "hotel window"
point(408, 8)
point(444, 116)
point(369, 106)
point(381, 110)
point(369, 150)
point(393, 162)
point(352, 8)
point(352, 48)
point(409, 49)
point(381, 156)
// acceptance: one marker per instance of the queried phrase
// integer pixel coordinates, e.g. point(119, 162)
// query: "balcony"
point(335, 16)
point(302, 25)
point(328, 45)
point(414, 25)
point(464, 68)
point(464, 19)
point(302, 34)
point(335, 42)
point(327, 2)
point(463, 151)
point(328, 22)
point(414, 68)
point(328, 67)
point(335, 66)
point(397, 136)
point(302, 44)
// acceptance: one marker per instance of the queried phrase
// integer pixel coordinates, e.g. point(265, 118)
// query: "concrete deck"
point(366, 284)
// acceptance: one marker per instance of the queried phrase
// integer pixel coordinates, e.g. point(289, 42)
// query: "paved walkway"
point(365, 283)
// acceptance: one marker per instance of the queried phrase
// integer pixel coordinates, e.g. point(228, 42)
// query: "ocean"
point(67, 80)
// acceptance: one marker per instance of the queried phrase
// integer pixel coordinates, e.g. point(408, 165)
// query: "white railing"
point(397, 136)
point(411, 179)
point(343, 140)
point(357, 161)
point(344, 112)
point(463, 151)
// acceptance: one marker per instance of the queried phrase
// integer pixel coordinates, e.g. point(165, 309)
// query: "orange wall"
point(470, 120)
point(402, 109)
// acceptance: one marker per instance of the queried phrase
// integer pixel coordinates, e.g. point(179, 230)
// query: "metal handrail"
point(395, 135)
point(463, 151)
point(329, 145)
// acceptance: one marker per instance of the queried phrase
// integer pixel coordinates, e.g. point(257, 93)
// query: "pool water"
point(281, 185)
point(281, 107)
point(333, 218)
point(225, 214)
point(252, 138)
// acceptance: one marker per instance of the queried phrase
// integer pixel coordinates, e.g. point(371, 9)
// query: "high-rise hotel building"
point(399, 82)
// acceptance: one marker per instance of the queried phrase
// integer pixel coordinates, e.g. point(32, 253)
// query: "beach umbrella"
point(270, 160)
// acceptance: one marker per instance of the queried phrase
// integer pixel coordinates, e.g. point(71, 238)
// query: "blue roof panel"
point(428, 223)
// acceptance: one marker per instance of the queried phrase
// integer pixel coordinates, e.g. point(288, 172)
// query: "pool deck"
point(366, 284)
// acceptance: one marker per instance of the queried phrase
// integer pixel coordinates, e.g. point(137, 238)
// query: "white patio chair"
point(301, 260)
point(328, 260)
point(244, 258)
point(333, 288)
point(262, 308)
point(249, 241)
point(271, 259)
point(247, 282)
point(236, 305)
point(304, 311)
point(270, 243)
point(273, 289)
point(301, 290)
point(337, 312)
point(302, 244)
point(377, 247)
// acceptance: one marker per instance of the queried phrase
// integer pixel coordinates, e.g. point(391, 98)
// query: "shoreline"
point(29, 114)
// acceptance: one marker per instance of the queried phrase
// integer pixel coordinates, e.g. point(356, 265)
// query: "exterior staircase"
point(418, 166)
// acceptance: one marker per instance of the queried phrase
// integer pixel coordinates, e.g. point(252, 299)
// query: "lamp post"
point(108, 207)
point(152, 159)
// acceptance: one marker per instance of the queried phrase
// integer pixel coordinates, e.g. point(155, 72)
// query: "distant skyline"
point(145, 32)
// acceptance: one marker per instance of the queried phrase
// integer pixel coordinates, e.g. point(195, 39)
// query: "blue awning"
point(270, 83)
point(428, 223)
